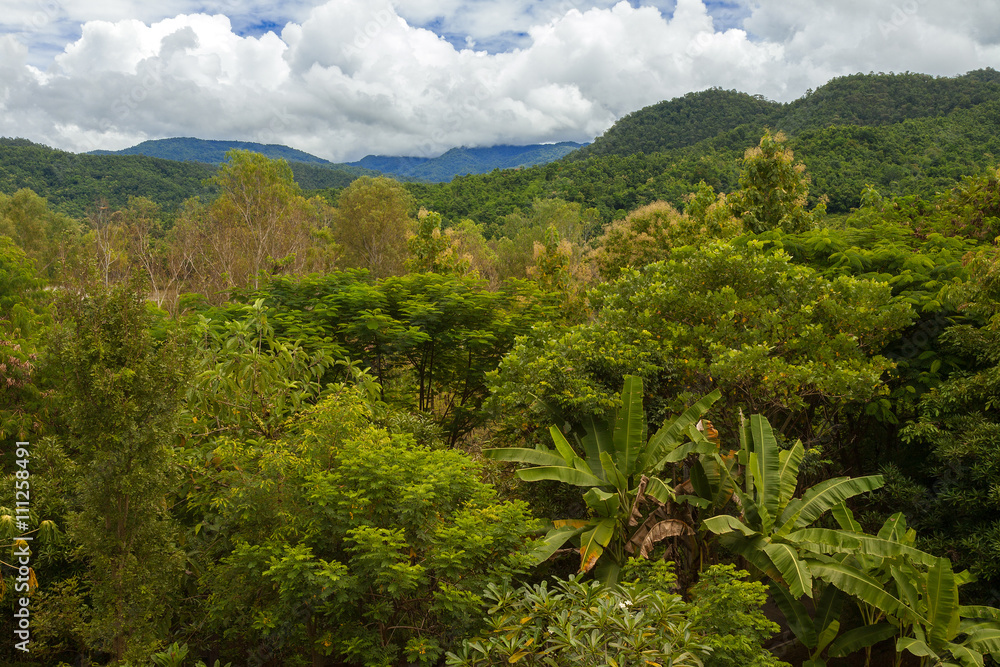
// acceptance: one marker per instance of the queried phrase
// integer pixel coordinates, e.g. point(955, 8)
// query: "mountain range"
point(455, 162)
point(899, 133)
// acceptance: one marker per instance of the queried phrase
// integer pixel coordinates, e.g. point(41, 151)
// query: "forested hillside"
point(464, 160)
point(190, 149)
point(644, 409)
point(907, 134)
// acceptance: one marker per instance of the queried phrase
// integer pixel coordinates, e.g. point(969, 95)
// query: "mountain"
point(904, 134)
point(463, 161)
point(209, 151)
point(457, 161)
point(73, 182)
point(680, 122)
point(858, 99)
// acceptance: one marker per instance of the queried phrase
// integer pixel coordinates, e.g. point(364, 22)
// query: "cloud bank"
point(350, 77)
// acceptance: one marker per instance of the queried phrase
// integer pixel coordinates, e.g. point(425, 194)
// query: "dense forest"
point(725, 398)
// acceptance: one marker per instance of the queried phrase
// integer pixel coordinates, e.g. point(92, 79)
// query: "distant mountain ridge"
point(463, 161)
point(870, 100)
point(455, 162)
point(210, 151)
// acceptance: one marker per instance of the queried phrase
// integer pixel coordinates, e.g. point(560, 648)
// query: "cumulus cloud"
point(351, 77)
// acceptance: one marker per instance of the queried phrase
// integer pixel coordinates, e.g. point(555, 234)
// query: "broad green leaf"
point(914, 646)
point(655, 488)
point(630, 427)
point(859, 638)
point(796, 614)
point(859, 584)
point(941, 598)
point(554, 540)
point(828, 607)
point(982, 612)
point(967, 657)
point(702, 446)
point(697, 501)
point(593, 541)
point(985, 640)
point(845, 518)
point(830, 493)
point(671, 435)
point(562, 446)
point(766, 472)
point(894, 528)
point(700, 481)
point(604, 503)
point(788, 470)
point(523, 455)
point(724, 523)
point(559, 474)
point(793, 570)
point(596, 439)
point(615, 477)
point(827, 636)
point(752, 549)
point(840, 541)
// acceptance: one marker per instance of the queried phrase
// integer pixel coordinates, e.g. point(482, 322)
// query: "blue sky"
point(345, 78)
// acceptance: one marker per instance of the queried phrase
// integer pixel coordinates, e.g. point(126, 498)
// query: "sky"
point(342, 79)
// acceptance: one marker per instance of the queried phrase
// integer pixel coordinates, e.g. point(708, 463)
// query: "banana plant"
point(616, 462)
point(818, 631)
point(944, 633)
point(773, 532)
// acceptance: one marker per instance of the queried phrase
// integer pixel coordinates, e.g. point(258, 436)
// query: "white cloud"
point(350, 77)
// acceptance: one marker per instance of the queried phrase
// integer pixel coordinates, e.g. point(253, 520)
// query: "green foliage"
point(72, 183)
point(430, 339)
point(42, 233)
point(119, 395)
point(773, 190)
point(347, 541)
point(22, 325)
point(777, 338)
point(634, 624)
point(726, 611)
point(954, 501)
point(682, 121)
point(248, 383)
point(617, 460)
point(648, 234)
point(372, 224)
point(772, 532)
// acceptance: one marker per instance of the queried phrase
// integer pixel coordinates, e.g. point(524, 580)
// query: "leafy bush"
point(727, 610)
point(584, 623)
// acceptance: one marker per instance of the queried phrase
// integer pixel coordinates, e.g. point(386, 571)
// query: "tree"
point(262, 216)
point(119, 394)
point(373, 223)
point(41, 232)
point(343, 540)
point(773, 189)
point(647, 234)
point(776, 337)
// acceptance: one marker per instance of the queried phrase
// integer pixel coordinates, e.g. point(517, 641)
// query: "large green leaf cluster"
point(635, 624)
point(344, 540)
point(429, 339)
point(776, 337)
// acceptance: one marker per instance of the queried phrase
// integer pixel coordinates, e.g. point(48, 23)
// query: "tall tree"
point(119, 398)
point(373, 224)
point(774, 189)
point(262, 215)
